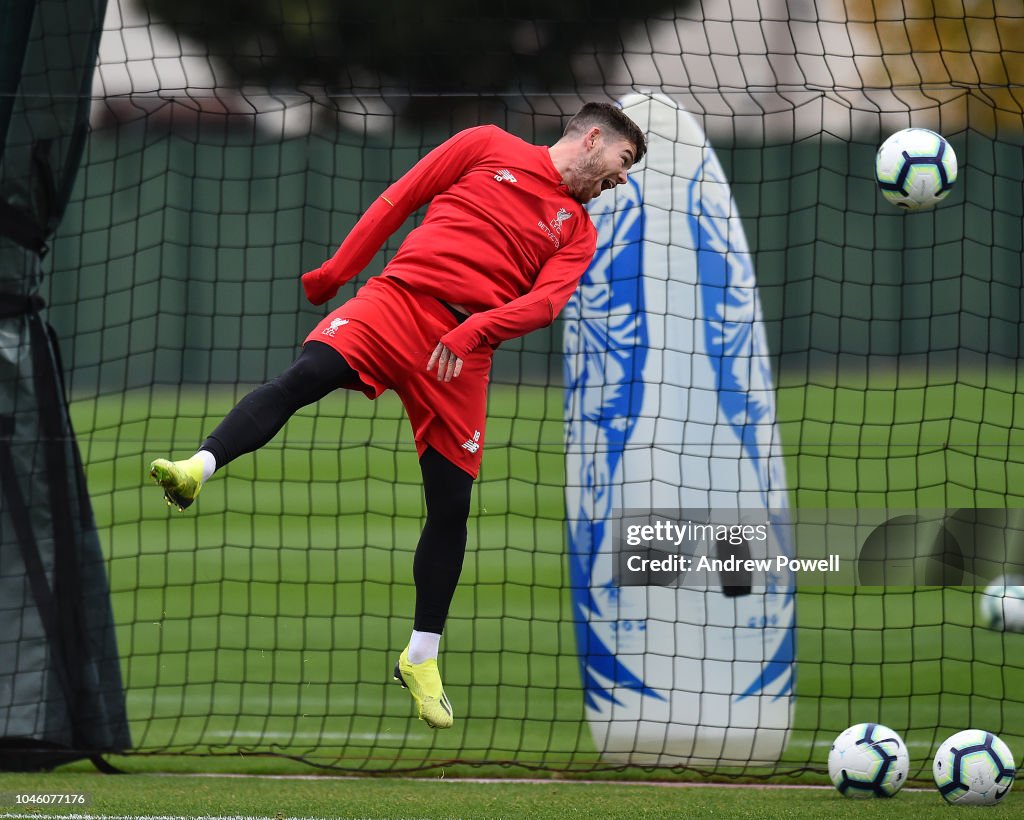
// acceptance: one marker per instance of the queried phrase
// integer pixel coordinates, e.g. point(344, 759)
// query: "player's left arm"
point(536, 308)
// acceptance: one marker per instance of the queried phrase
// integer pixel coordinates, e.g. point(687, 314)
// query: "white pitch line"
point(300, 736)
point(529, 781)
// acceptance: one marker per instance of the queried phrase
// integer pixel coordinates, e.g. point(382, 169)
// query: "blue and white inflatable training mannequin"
point(670, 406)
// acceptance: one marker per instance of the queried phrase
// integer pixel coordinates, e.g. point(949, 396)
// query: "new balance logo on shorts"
point(472, 444)
point(335, 324)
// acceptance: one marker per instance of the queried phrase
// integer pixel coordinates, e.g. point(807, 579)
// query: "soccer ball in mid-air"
point(915, 168)
point(973, 768)
point(868, 760)
point(1002, 604)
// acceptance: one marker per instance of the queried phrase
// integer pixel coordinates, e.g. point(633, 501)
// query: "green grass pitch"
point(148, 797)
point(269, 615)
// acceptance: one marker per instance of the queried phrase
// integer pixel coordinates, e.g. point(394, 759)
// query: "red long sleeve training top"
point(502, 237)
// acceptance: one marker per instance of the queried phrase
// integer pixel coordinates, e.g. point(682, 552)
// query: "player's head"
point(603, 145)
point(612, 122)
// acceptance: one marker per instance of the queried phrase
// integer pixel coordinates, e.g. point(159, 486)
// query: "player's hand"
point(318, 286)
point(449, 366)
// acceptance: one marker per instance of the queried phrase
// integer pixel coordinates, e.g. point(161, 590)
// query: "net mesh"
point(268, 617)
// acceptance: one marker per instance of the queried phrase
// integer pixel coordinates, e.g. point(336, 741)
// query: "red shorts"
point(386, 333)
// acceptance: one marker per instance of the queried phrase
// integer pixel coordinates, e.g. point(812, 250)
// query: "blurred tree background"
point(415, 48)
point(968, 58)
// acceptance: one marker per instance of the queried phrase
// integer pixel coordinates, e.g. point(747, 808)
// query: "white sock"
point(423, 646)
point(209, 463)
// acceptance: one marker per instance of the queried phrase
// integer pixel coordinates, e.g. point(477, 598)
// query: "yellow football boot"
point(424, 684)
point(181, 480)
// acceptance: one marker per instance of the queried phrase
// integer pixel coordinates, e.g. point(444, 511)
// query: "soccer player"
point(501, 249)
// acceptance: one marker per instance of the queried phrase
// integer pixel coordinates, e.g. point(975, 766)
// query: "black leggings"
point(259, 417)
point(317, 371)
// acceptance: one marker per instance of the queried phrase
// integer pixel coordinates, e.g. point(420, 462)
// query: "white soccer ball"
point(915, 168)
point(973, 768)
point(868, 760)
point(1002, 604)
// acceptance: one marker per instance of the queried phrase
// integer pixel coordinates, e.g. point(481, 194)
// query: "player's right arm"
point(536, 308)
point(434, 173)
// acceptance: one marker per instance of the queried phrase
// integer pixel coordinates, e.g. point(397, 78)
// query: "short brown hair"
point(606, 115)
